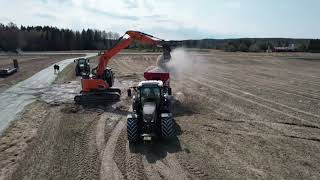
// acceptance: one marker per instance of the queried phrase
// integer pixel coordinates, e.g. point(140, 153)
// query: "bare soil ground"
point(28, 65)
point(242, 116)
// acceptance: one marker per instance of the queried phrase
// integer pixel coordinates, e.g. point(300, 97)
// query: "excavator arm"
point(122, 44)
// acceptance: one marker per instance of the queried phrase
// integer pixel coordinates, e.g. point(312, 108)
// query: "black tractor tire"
point(132, 130)
point(77, 71)
point(167, 128)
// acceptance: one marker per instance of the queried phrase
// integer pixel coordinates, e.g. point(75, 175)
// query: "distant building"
point(290, 48)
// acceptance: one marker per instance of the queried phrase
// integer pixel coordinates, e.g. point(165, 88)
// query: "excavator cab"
point(108, 76)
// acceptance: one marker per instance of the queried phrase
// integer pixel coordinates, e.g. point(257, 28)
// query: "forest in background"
point(47, 38)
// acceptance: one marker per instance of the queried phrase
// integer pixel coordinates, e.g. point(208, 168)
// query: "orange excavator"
point(98, 87)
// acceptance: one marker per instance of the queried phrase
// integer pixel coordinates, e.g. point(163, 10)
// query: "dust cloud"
point(182, 63)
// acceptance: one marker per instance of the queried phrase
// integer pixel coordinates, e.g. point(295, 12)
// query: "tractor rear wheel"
point(132, 130)
point(167, 127)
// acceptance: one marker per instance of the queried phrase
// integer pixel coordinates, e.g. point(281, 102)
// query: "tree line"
point(47, 38)
point(314, 45)
point(247, 44)
point(243, 44)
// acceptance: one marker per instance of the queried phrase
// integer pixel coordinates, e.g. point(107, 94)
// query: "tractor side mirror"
point(129, 93)
point(169, 91)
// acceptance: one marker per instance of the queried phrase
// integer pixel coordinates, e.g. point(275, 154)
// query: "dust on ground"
point(244, 115)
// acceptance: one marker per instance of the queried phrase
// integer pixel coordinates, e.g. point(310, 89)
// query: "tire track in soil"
point(194, 171)
point(289, 104)
point(185, 160)
point(226, 109)
point(100, 133)
point(223, 84)
point(65, 148)
point(120, 153)
point(118, 162)
point(265, 100)
point(240, 113)
point(167, 168)
point(134, 165)
point(84, 161)
point(280, 111)
point(131, 164)
point(270, 125)
point(247, 83)
point(280, 132)
point(128, 159)
point(278, 83)
point(281, 69)
point(109, 169)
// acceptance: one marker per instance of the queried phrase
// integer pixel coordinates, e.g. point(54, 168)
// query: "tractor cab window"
point(108, 76)
point(149, 93)
point(82, 61)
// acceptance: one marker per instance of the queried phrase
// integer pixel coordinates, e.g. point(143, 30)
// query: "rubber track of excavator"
point(97, 98)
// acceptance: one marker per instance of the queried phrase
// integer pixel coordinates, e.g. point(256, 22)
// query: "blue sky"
point(173, 19)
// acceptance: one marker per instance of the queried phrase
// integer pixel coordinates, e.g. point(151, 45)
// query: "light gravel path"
point(14, 99)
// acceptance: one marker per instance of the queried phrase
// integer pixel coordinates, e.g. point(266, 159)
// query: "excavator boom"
point(133, 35)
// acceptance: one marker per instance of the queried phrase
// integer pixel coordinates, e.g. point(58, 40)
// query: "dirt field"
point(238, 115)
point(29, 64)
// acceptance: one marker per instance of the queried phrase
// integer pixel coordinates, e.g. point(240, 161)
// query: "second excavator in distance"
point(99, 87)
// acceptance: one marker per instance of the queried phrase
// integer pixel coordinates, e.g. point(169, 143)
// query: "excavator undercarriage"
point(98, 97)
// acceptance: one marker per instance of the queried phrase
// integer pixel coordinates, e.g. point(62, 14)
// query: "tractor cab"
point(82, 67)
point(83, 61)
point(150, 91)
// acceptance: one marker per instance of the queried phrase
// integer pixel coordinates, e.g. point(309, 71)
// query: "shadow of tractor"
point(158, 149)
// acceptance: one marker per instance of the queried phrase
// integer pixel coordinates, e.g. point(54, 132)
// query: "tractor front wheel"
point(132, 130)
point(167, 127)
